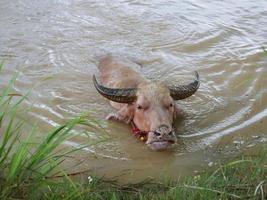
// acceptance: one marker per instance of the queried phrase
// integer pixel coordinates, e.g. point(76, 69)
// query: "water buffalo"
point(148, 105)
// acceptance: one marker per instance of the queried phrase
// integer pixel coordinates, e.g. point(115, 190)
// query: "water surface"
point(54, 46)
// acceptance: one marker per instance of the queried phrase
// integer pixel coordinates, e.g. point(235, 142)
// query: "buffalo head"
point(152, 107)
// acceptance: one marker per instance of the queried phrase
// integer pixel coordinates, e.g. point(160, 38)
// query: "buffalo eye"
point(170, 105)
point(139, 107)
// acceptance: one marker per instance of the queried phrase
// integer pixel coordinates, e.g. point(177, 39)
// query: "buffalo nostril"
point(157, 133)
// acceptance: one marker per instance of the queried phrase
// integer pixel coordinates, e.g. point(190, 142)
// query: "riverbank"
point(244, 178)
point(29, 169)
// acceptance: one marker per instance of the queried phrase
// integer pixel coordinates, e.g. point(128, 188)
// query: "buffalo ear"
point(125, 114)
point(178, 113)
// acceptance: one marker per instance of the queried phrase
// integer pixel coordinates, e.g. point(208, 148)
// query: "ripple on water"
point(55, 51)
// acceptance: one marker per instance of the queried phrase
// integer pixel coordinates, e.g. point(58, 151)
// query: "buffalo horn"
point(179, 92)
point(120, 95)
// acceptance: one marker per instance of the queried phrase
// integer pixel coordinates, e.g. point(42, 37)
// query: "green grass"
point(26, 164)
point(240, 179)
point(27, 168)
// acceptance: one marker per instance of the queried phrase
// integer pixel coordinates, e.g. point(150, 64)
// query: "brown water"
point(54, 45)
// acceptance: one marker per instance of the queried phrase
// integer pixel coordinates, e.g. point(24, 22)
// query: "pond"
point(54, 47)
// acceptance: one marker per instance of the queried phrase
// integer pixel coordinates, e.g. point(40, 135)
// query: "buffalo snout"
point(163, 131)
point(162, 138)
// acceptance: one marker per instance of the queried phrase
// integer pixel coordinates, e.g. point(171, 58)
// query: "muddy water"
point(53, 47)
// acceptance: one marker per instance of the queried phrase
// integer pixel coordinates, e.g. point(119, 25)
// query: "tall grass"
point(25, 163)
point(27, 167)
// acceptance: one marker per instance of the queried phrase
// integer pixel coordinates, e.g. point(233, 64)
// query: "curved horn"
point(120, 95)
point(183, 91)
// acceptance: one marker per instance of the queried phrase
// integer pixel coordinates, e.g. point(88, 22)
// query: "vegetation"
point(27, 168)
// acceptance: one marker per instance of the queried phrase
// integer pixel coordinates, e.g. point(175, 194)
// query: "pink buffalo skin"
point(153, 110)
